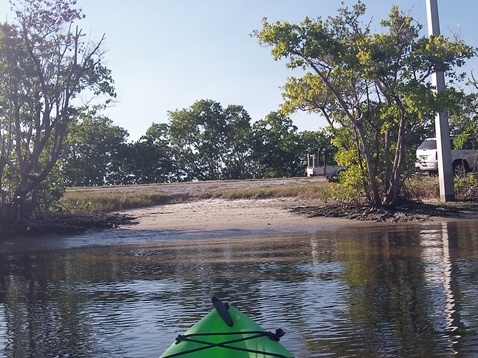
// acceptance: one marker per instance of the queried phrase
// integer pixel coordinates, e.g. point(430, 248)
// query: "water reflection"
point(380, 291)
point(446, 251)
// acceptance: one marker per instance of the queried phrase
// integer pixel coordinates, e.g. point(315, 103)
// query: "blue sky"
point(167, 54)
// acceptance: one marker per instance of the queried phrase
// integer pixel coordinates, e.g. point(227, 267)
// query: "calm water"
point(379, 291)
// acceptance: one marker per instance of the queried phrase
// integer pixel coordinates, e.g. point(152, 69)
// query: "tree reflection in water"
point(401, 291)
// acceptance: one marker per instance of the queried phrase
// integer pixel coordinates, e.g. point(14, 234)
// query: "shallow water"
point(378, 291)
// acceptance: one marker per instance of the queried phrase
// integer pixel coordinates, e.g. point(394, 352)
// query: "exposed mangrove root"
point(415, 211)
point(59, 224)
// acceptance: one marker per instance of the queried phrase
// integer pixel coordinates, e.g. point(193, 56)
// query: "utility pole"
point(442, 128)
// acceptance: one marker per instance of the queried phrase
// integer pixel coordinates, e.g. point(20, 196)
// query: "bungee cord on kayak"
point(226, 344)
point(224, 330)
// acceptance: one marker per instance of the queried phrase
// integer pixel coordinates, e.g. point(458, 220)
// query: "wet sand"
point(203, 219)
point(218, 214)
point(230, 215)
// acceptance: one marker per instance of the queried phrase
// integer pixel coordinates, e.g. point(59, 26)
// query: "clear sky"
point(167, 54)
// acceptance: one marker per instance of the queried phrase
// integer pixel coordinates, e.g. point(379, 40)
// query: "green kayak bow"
point(226, 332)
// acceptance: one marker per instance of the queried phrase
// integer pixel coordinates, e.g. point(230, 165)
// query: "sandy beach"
point(251, 214)
point(219, 214)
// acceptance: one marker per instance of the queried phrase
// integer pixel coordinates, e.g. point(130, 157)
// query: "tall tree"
point(93, 144)
point(46, 64)
point(318, 143)
point(375, 87)
point(276, 147)
point(464, 120)
point(237, 148)
point(210, 142)
point(150, 159)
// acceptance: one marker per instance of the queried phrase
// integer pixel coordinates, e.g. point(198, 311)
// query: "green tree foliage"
point(464, 120)
point(238, 151)
point(45, 63)
point(375, 88)
point(318, 143)
point(98, 154)
point(93, 151)
point(197, 139)
point(210, 142)
point(277, 149)
point(151, 159)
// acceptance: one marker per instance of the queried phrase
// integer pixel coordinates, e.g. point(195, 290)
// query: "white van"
point(464, 159)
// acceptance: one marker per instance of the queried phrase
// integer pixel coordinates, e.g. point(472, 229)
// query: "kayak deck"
point(226, 332)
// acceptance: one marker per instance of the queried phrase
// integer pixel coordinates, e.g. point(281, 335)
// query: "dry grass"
point(311, 191)
point(89, 202)
point(423, 187)
point(112, 199)
point(120, 198)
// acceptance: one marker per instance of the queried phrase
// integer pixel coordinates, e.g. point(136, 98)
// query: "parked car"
point(316, 167)
point(464, 159)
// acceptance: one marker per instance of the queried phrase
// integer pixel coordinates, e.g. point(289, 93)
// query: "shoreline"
point(212, 219)
point(268, 215)
point(227, 215)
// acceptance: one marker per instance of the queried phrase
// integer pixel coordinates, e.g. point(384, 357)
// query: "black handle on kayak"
point(223, 311)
